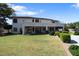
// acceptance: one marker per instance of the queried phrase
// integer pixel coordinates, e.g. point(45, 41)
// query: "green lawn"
point(30, 45)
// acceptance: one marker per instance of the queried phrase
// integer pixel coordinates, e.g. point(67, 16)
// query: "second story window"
point(33, 20)
point(37, 20)
point(15, 20)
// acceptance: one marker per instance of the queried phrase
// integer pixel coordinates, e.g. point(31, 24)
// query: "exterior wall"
point(43, 24)
point(45, 21)
point(23, 22)
point(20, 22)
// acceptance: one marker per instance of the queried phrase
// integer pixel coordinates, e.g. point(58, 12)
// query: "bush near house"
point(65, 31)
point(65, 37)
point(52, 33)
point(57, 33)
point(74, 49)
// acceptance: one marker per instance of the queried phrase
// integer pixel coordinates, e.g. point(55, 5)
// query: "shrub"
point(65, 37)
point(52, 33)
point(57, 33)
point(74, 49)
point(76, 33)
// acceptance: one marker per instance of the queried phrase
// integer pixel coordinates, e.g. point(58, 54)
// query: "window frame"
point(14, 29)
point(32, 20)
point(14, 20)
point(37, 20)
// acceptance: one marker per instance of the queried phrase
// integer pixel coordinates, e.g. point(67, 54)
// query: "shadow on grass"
point(11, 34)
point(7, 34)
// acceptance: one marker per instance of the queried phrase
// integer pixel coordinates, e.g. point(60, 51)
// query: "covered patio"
point(34, 29)
point(39, 29)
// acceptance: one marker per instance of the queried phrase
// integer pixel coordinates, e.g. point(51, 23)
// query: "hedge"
point(57, 33)
point(74, 50)
point(65, 37)
point(76, 33)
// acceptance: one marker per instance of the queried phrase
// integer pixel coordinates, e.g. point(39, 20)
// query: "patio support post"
point(54, 28)
point(23, 30)
point(34, 29)
point(46, 28)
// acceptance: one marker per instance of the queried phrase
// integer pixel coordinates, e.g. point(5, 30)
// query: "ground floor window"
point(15, 29)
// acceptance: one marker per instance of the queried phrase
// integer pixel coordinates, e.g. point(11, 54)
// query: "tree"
point(65, 27)
point(5, 12)
point(8, 27)
point(72, 26)
point(76, 24)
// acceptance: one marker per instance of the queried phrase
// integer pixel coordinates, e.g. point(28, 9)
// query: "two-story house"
point(24, 25)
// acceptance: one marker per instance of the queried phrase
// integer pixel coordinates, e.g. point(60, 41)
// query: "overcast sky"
point(64, 12)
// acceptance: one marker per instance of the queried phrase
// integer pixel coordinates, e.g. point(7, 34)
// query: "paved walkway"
point(64, 45)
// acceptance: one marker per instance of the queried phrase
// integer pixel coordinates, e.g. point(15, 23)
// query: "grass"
point(71, 33)
point(30, 45)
